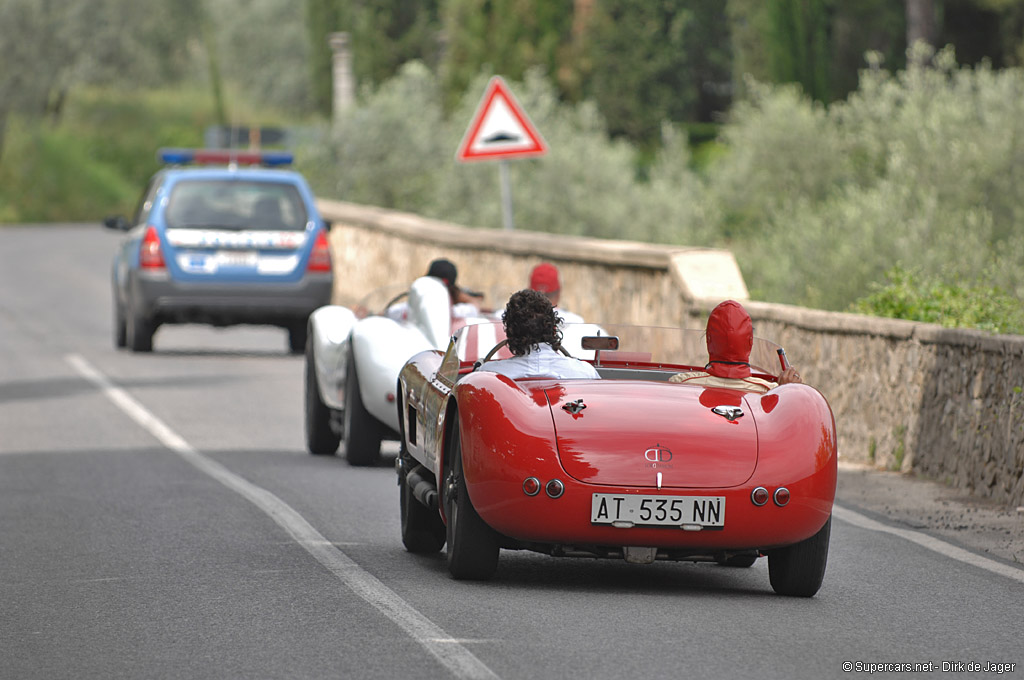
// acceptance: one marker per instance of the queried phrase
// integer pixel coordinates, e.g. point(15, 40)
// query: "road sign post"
point(499, 130)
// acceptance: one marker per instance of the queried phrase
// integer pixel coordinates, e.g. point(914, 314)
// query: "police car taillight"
point(150, 255)
point(320, 256)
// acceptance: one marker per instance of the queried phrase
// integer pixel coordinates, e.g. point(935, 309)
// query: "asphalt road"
point(159, 518)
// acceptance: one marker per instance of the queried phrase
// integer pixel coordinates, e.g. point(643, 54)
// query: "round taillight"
point(759, 496)
point(531, 486)
point(554, 488)
point(781, 496)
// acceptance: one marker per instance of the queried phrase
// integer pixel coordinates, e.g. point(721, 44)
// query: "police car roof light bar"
point(172, 156)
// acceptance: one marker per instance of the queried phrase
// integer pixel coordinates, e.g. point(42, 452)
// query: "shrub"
point(908, 294)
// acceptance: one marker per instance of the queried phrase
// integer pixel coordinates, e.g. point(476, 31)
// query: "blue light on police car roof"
point(172, 156)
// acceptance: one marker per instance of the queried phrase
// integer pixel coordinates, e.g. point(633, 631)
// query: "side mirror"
point(117, 223)
point(328, 225)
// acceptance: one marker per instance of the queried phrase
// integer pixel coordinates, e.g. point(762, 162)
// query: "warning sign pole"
point(506, 197)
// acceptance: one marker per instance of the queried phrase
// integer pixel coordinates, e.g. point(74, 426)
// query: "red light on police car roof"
point(150, 255)
point(320, 256)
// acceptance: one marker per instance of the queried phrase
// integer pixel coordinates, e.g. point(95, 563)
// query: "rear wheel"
point(798, 569)
point(423, 532)
point(120, 326)
point(363, 432)
point(321, 440)
point(472, 545)
point(138, 332)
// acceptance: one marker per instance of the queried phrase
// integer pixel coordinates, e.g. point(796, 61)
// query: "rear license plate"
point(237, 258)
point(660, 511)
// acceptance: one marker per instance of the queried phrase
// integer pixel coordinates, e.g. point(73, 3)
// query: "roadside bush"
point(919, 167)
point(907, 294)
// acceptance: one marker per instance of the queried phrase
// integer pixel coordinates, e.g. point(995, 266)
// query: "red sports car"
point(627, 466)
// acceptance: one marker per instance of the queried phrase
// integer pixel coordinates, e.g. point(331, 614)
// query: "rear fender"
point(382, 346)
point(797, 446)
point(507, 435)
point(329, 330)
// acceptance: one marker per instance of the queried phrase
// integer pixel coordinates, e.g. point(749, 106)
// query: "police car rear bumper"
point(164, 300)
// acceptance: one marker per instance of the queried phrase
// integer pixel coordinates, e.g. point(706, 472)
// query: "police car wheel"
point(139, 333)
point(120, 327)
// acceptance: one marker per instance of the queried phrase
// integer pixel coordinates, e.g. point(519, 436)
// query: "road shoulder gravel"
point(978, 524)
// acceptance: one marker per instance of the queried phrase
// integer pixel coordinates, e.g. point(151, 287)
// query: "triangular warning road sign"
point(500, 128)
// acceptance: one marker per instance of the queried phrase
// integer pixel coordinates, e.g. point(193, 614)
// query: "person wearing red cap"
point(544, 279)
point(730, 337)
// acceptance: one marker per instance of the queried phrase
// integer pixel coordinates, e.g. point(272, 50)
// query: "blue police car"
point(221, 237)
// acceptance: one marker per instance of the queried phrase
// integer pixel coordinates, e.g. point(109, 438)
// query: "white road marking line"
point(460, 661)
point(931, 543)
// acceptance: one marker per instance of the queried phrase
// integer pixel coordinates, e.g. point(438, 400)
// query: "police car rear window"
point(212, 204)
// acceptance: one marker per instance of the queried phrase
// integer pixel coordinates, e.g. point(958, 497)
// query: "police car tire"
point(363, 433)
point(321, 440)
point(139, 333)
point(120, 327)
point(798, 570)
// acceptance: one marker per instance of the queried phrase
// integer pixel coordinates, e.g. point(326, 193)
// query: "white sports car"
point(352, 365)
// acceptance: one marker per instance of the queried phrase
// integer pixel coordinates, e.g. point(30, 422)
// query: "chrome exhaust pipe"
point(423, 490)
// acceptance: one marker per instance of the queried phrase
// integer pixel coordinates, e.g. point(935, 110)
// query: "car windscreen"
point(636, 345)
point(235, 204)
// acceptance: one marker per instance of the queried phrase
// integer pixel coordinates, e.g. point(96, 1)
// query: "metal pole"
point(506, 196)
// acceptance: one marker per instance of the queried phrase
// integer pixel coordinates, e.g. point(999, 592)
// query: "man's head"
point(544, 279)
point(530, 320)
point(730, 336)
point(444, 270)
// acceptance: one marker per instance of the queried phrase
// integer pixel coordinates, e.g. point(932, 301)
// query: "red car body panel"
point(797, 450)
point(631, 432)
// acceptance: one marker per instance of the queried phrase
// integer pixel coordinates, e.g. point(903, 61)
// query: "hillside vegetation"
point(900, 200)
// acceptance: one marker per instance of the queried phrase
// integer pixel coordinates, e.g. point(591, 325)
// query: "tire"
point(138, 332)
point(321, 440)
point(297, 334)
point(738, 561)
point(798, 570)
point(423, 532)
point(120, 326)
point(472, 545)
point(363, 433)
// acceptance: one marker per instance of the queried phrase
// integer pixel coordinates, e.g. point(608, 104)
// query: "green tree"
point(798, 49)
point(48, 46)
point(642, 70)
point(383, 35)
point(269, 33)
point(324, 17)
point(507, 37)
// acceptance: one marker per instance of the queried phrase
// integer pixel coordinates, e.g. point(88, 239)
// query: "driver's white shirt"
point(542, 362)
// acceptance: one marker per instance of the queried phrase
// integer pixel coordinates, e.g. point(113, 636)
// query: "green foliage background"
point(750, 125)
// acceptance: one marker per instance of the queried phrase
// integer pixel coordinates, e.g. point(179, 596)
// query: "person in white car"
point(534, 339)
point(545, 279)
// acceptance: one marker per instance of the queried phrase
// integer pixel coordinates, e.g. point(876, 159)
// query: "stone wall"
point(947, 404)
